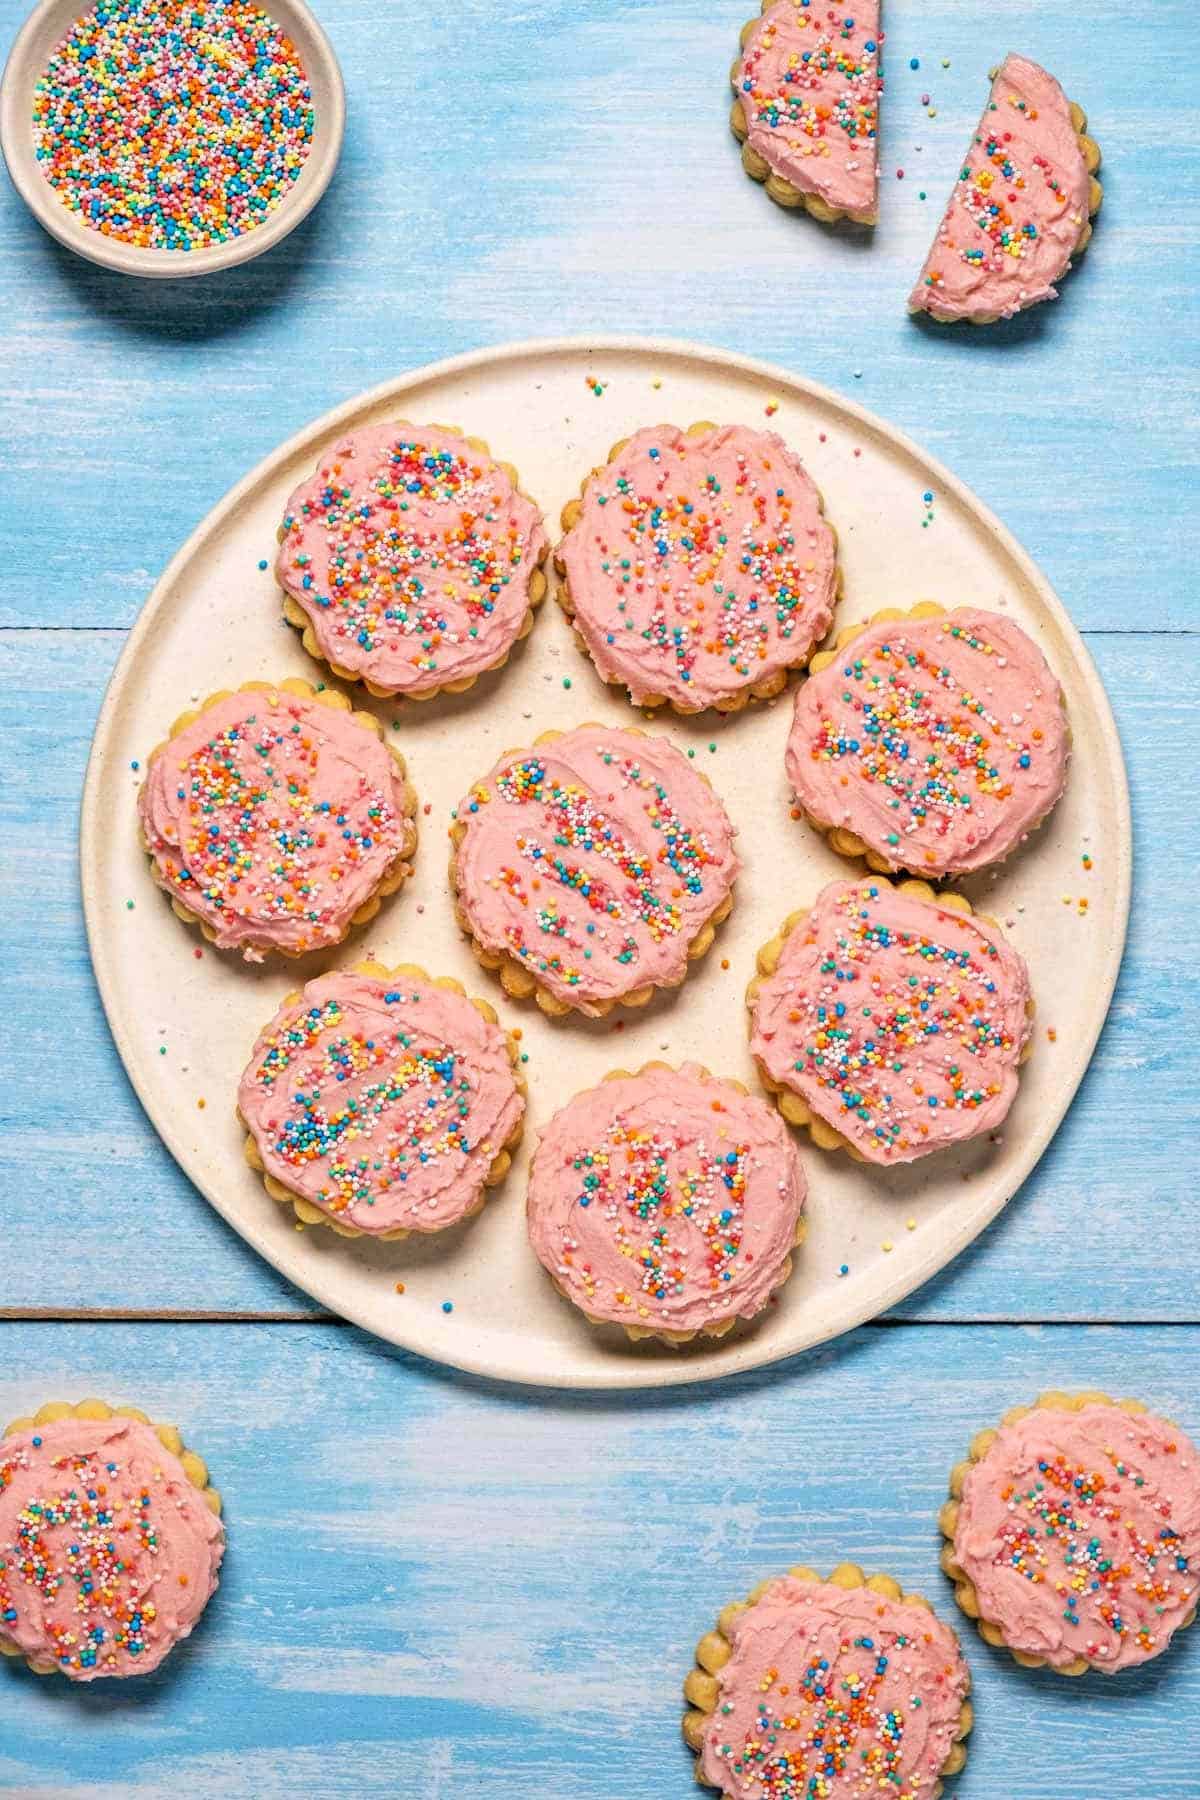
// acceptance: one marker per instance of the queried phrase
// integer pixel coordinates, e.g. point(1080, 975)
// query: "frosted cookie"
point(276, 818)
point(411, 560)
point(1022, 205)
point(698, 568)
point(932, 741)
point(839, 1689)
point(381, 1102)
point(110, 1540)
point(808, 87)
point(889, 1020)
point(1074, 1533)
point(592, 868)
point(667, 1202)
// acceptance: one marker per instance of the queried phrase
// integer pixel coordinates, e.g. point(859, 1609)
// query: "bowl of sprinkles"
point(171, 137)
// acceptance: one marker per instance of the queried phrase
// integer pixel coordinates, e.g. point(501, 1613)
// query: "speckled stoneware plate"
point(214, 620)
point(44, 30)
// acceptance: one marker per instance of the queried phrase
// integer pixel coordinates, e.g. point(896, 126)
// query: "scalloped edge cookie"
point(722, 1327)
point(1053, 1400)
point(294, 613)
point(516, 978)
point(401, 868)
point(767, 689)
point(848, 843)
point(1089, 149)
point(795, 1110)
point(194, 1467)
point(701, 1691)
point(309, 1214)
point(783, 192)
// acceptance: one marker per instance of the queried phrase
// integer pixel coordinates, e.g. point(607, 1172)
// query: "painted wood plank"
point(583, 179)
point(438, 1588)
point(1108, 1226)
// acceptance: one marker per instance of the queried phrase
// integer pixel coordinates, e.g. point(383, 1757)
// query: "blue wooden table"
point(436, 1587)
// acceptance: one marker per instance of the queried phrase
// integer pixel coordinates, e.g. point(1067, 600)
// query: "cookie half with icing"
point(382, 1101)
point(890, 1020)
point(932, 741)
point(667, 1202)
point(839, 1688)
point(592, 868)
point(411, 560)
point(276, 818)
point(110, 1540)
point(807, 89)
point(698, 567)
point(1073, 1533)
point(1022, 205)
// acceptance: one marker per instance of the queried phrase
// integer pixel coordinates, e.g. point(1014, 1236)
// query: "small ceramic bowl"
point(44, 30)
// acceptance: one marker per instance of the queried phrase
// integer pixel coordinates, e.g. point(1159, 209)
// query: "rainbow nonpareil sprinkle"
point(173, 126)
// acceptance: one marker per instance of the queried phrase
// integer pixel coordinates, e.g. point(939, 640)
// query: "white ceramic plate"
point(214, 620)
point(45, 28)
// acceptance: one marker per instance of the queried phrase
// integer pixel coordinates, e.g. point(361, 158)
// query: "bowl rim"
point(22, 69)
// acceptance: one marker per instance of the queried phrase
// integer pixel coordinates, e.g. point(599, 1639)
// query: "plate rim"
point(633, 1373)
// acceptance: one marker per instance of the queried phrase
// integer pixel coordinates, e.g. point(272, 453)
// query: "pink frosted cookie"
point(411, 560)
point(889, 1021)
point(1074, 1533)
point(592, 868)
point(276, 818)
point(807, 87)
point(934, 741)
point(840, 1689)
point(110, 1540)
point(698, 566)
point(1021, 207)
point(667, 1202)
point(382, 1102)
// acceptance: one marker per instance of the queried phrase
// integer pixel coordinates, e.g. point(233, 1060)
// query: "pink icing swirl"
point(700, 566)
point(899, 1022)
point(837, 1692)
point(665, 1201)
point(108, 1553)
point(810, 87)
point(940, 742)
point(382, 1101)
point(1020, 203)
point(1081, 1534)
point(410, 551)
point(273, 819)
point(594, 859)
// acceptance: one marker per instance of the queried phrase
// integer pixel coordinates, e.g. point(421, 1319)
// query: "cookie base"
point(294, 613)
point(308, 1213)
point(840, 837)
point(785, 193)
point(796, 1110)
point(519, 981)
point(964, 1588)
point(702, 1691)
point(400, 868)
point(719, 1328)
point(737, 699)
point(194, 1467)
point(1090, 151)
